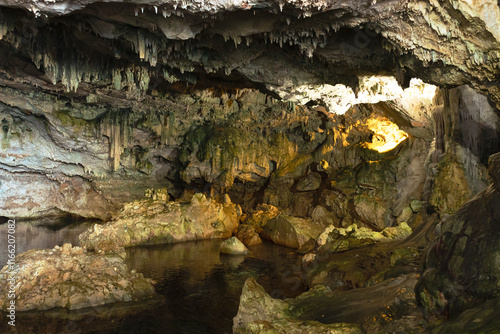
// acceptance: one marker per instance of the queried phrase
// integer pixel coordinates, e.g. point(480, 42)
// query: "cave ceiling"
point(120, 53)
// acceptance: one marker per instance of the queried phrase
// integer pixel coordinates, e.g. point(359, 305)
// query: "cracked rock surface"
point(149, 222)
point(73, 278)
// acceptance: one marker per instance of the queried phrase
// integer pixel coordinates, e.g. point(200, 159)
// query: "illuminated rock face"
point(100, 101)
point(260, 313)
point(135, 45)
point(72, 278)
point(149, 222)
point(89, 160)
point(300, 108)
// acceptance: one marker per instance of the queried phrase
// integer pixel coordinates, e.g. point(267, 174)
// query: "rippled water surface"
point(198, 288)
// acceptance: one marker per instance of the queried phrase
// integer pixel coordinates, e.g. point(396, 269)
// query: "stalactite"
point(69, 66)
point(117, 79)
point(5, 26)
point(141, 45)
point(115, 148)
point(118, 127)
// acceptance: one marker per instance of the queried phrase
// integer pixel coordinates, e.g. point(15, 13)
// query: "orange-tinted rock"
point(149, 222)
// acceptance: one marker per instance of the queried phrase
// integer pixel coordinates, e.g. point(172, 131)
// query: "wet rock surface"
point(259, 313)
point(494, 169)
point(392, 307)
point(341, 239)
point(461, 268)
point(291, 231)
point(72, 278)
point(233, 246)
point(149, 222)
point(248, 235)
point(483, 318)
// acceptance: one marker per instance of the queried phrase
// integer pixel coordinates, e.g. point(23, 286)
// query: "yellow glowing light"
point(387, 135)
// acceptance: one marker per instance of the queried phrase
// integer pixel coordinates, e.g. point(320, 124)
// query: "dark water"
point(198, 288)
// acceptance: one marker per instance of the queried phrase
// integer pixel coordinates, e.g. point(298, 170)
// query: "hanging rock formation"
point(278, 114)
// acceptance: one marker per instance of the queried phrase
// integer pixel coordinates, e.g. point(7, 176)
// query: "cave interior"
point(361, 134)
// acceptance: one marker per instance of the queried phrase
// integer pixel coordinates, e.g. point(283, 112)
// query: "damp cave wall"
point(102, 102)
point(257, 149)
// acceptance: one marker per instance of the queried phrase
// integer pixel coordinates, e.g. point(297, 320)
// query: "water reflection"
point(202, 287)
point(37, 235)
point(199, 289)
point(199, 258)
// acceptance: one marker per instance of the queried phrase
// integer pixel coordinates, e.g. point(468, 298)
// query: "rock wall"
point(461, 270)
point(166, 96)
point(62, 156)
point(467, 132)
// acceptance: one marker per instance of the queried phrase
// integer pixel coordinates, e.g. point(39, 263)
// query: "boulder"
point(405, 215)
point(248, 235)
point(259, 313)
point(70, 277)
point(291, 231)
point(262, 214)
point(416, 205)
point(371, 209)
point(147, 222)
point(451, 189)
point(302, 203)
point(397, 232)
point(484, 318)
point(324, 217)
point(233, 246)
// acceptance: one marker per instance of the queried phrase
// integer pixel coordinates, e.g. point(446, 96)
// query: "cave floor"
point(199, 290)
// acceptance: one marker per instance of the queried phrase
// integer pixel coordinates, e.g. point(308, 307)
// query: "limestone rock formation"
point(482, 318)
point(494, 168)
point(291, 231)
point(248, 235)
point(159, 88)
point(259, 313)
point(466, 134)
point(149, 222)
point(296, 115)
point(341, 239)
point(233, 246)
point(461, 268)
point(251, 227)
point(392, 307)
point(70, 277)
point(262, 215)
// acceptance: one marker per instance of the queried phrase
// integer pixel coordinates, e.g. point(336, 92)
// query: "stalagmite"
point(302, 112)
